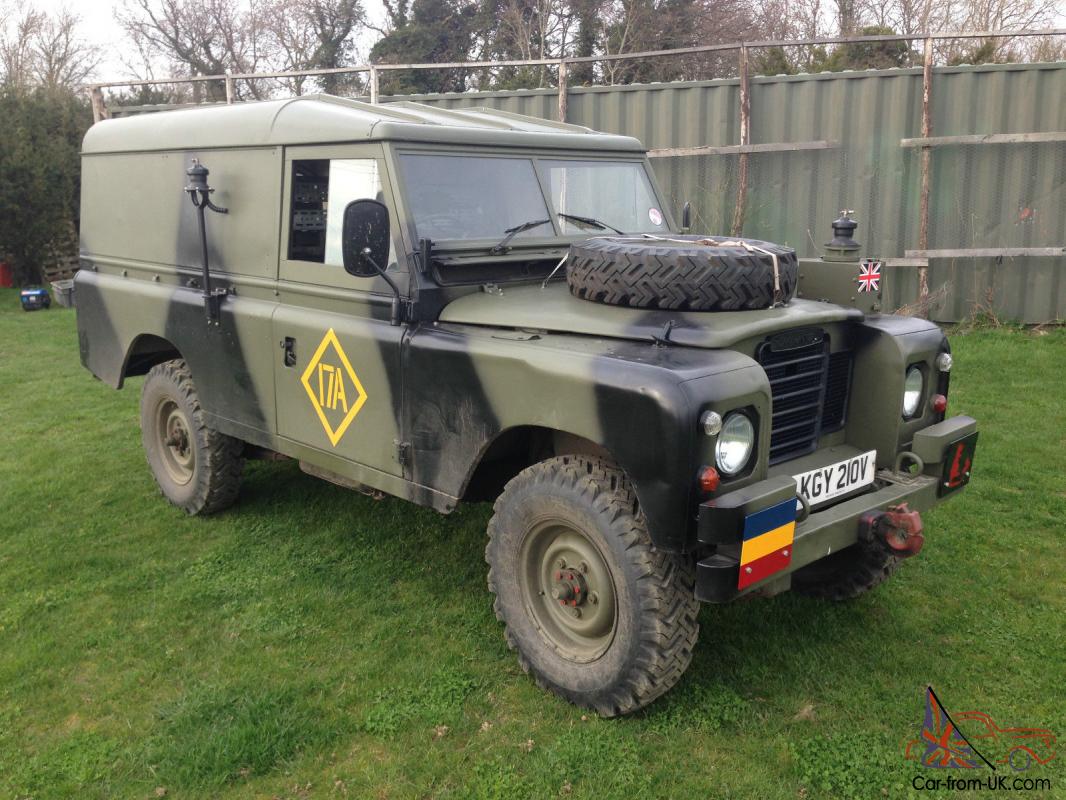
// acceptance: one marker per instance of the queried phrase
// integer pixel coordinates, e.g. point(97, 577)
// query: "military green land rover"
point(447, 305)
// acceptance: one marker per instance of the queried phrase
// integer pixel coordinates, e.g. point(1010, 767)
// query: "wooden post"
point(562, 90)
point(229, 88)
point(927, 131)
point(96, 98)
point(374, 85)
point(745, 139)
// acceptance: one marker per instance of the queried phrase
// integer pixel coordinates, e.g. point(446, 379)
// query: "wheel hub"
point(178, 455)
point(569, 590)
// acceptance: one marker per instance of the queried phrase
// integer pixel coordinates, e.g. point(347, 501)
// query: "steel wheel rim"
point(563, 572)
point(175, 442)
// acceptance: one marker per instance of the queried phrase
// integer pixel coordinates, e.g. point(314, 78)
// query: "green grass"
point(315, 643)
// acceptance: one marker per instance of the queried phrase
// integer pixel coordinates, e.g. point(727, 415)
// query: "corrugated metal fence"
point(990, 195)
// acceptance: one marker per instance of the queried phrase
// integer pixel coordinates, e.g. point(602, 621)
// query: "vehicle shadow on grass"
point(743, 651)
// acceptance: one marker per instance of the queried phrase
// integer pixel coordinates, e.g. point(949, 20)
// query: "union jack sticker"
point(869, 279)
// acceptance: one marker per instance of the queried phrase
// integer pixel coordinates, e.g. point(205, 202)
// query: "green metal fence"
point(991, 194)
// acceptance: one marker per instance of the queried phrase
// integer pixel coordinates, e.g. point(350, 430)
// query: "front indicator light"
point(711, 422)
point(735, 443)
point(912, 392)
point(709, 479)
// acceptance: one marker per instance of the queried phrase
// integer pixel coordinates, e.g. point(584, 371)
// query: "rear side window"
point(321, 188)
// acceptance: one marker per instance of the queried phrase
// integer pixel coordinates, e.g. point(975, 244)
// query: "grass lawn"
point(312, 642)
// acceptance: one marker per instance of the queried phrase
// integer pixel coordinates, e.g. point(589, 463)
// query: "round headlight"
point(735, 443)
point(912, 392)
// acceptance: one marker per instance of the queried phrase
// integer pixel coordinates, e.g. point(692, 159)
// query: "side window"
point(322, 186)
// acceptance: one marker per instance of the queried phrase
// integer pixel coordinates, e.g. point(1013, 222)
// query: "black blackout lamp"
point(200, 194)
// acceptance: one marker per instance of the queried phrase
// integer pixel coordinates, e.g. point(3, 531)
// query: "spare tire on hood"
point(682, 273)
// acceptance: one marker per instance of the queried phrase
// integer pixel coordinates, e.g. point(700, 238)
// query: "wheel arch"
point(517, 448)
point(146, 351)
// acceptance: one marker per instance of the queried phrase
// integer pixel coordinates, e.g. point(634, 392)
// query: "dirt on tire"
point(682, 273)
point(217, 463)
point(656, 631)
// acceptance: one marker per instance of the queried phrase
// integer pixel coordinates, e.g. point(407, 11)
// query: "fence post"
point(229, 88)
point(745, 139)
point(563, 70)
point(927, 152)
point(96, 98)
point(373, 85)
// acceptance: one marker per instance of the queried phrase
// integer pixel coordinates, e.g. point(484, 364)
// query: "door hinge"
point(403, 452)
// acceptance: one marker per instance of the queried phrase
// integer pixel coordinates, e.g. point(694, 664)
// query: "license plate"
point(835, 480)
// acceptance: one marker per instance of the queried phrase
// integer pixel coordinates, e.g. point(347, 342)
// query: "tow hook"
point(897, 526)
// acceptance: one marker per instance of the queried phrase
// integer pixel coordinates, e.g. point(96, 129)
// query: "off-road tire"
point(847, 574)
point(655, 607)
point(217, 461)
point(624, 271)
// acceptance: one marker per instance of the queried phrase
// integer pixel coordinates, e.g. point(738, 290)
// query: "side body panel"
point(641, 403)
point(139, 291)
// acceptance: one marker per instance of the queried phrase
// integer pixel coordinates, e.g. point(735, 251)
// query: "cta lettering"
point(331, 393)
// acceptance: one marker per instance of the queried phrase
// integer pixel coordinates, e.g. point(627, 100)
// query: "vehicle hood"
point(554, 309)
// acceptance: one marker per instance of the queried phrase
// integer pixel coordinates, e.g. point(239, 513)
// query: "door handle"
point(288, 345)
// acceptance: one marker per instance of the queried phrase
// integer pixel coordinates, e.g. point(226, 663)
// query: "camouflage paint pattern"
point(449, 405)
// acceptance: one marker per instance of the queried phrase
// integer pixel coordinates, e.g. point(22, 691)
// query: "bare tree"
point(61, 56)
point(18, 31)
point(530, 29)
point(313, 34)
point(206, 37)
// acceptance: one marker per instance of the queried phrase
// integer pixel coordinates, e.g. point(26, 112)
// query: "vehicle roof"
point(320, 118)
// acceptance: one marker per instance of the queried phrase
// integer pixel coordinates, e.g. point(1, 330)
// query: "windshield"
point(454, 197)
point(615, 193)
point(471, 197)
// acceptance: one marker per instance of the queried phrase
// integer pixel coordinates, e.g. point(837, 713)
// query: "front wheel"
point(596, 614)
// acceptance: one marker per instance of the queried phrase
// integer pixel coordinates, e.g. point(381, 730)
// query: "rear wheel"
point(596, 614)
point(847, 574)
point(197, 468)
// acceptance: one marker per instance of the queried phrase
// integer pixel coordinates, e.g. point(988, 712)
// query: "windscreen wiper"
point(502, 247)
point(594, 223)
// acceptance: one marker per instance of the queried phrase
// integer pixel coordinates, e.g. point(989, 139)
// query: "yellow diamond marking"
point(333, 387)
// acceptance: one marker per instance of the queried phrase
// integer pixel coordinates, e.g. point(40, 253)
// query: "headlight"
point(735, 443)
point(912, 392)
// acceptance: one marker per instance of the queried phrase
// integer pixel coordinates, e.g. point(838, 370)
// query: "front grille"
point(797, 365)
point(837, 383)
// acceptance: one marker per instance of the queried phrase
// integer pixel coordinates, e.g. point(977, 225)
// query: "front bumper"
point(726, 521)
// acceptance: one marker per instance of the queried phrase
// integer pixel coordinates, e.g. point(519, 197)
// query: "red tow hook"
point(897, 526)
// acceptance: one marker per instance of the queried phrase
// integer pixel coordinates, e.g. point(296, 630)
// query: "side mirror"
point(365, 238)
point(686, 218)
